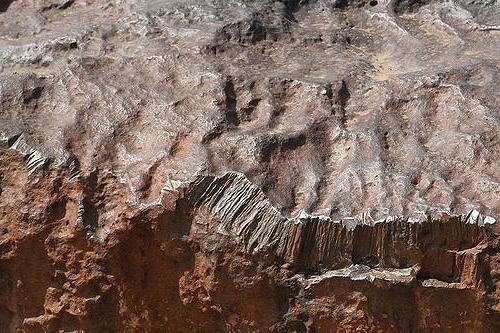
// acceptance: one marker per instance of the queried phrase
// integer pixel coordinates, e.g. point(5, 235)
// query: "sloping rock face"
point(249, 166)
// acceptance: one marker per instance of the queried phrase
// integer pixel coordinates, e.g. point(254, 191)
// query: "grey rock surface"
point(334, 108)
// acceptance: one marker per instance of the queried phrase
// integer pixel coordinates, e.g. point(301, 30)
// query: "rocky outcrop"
point(215, 254)
point(249, 166)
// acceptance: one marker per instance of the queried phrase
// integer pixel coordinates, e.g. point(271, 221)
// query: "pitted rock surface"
point(249, 166)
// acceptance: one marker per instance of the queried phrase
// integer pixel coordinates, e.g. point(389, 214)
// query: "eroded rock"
point(249, 166)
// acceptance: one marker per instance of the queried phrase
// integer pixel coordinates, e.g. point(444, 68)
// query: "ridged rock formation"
point(249, 166)
point(445, 248)
point(236, 207)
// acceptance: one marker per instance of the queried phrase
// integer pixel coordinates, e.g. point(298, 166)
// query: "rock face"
point(249, 166)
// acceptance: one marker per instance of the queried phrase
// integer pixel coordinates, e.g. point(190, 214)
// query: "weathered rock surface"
point(249, 166)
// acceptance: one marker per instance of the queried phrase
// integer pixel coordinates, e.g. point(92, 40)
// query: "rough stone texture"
point(249, 166)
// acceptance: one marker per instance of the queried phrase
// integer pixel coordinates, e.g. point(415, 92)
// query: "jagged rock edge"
point(241, 210)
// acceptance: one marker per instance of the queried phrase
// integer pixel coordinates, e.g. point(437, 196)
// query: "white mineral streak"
point(362, 272)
